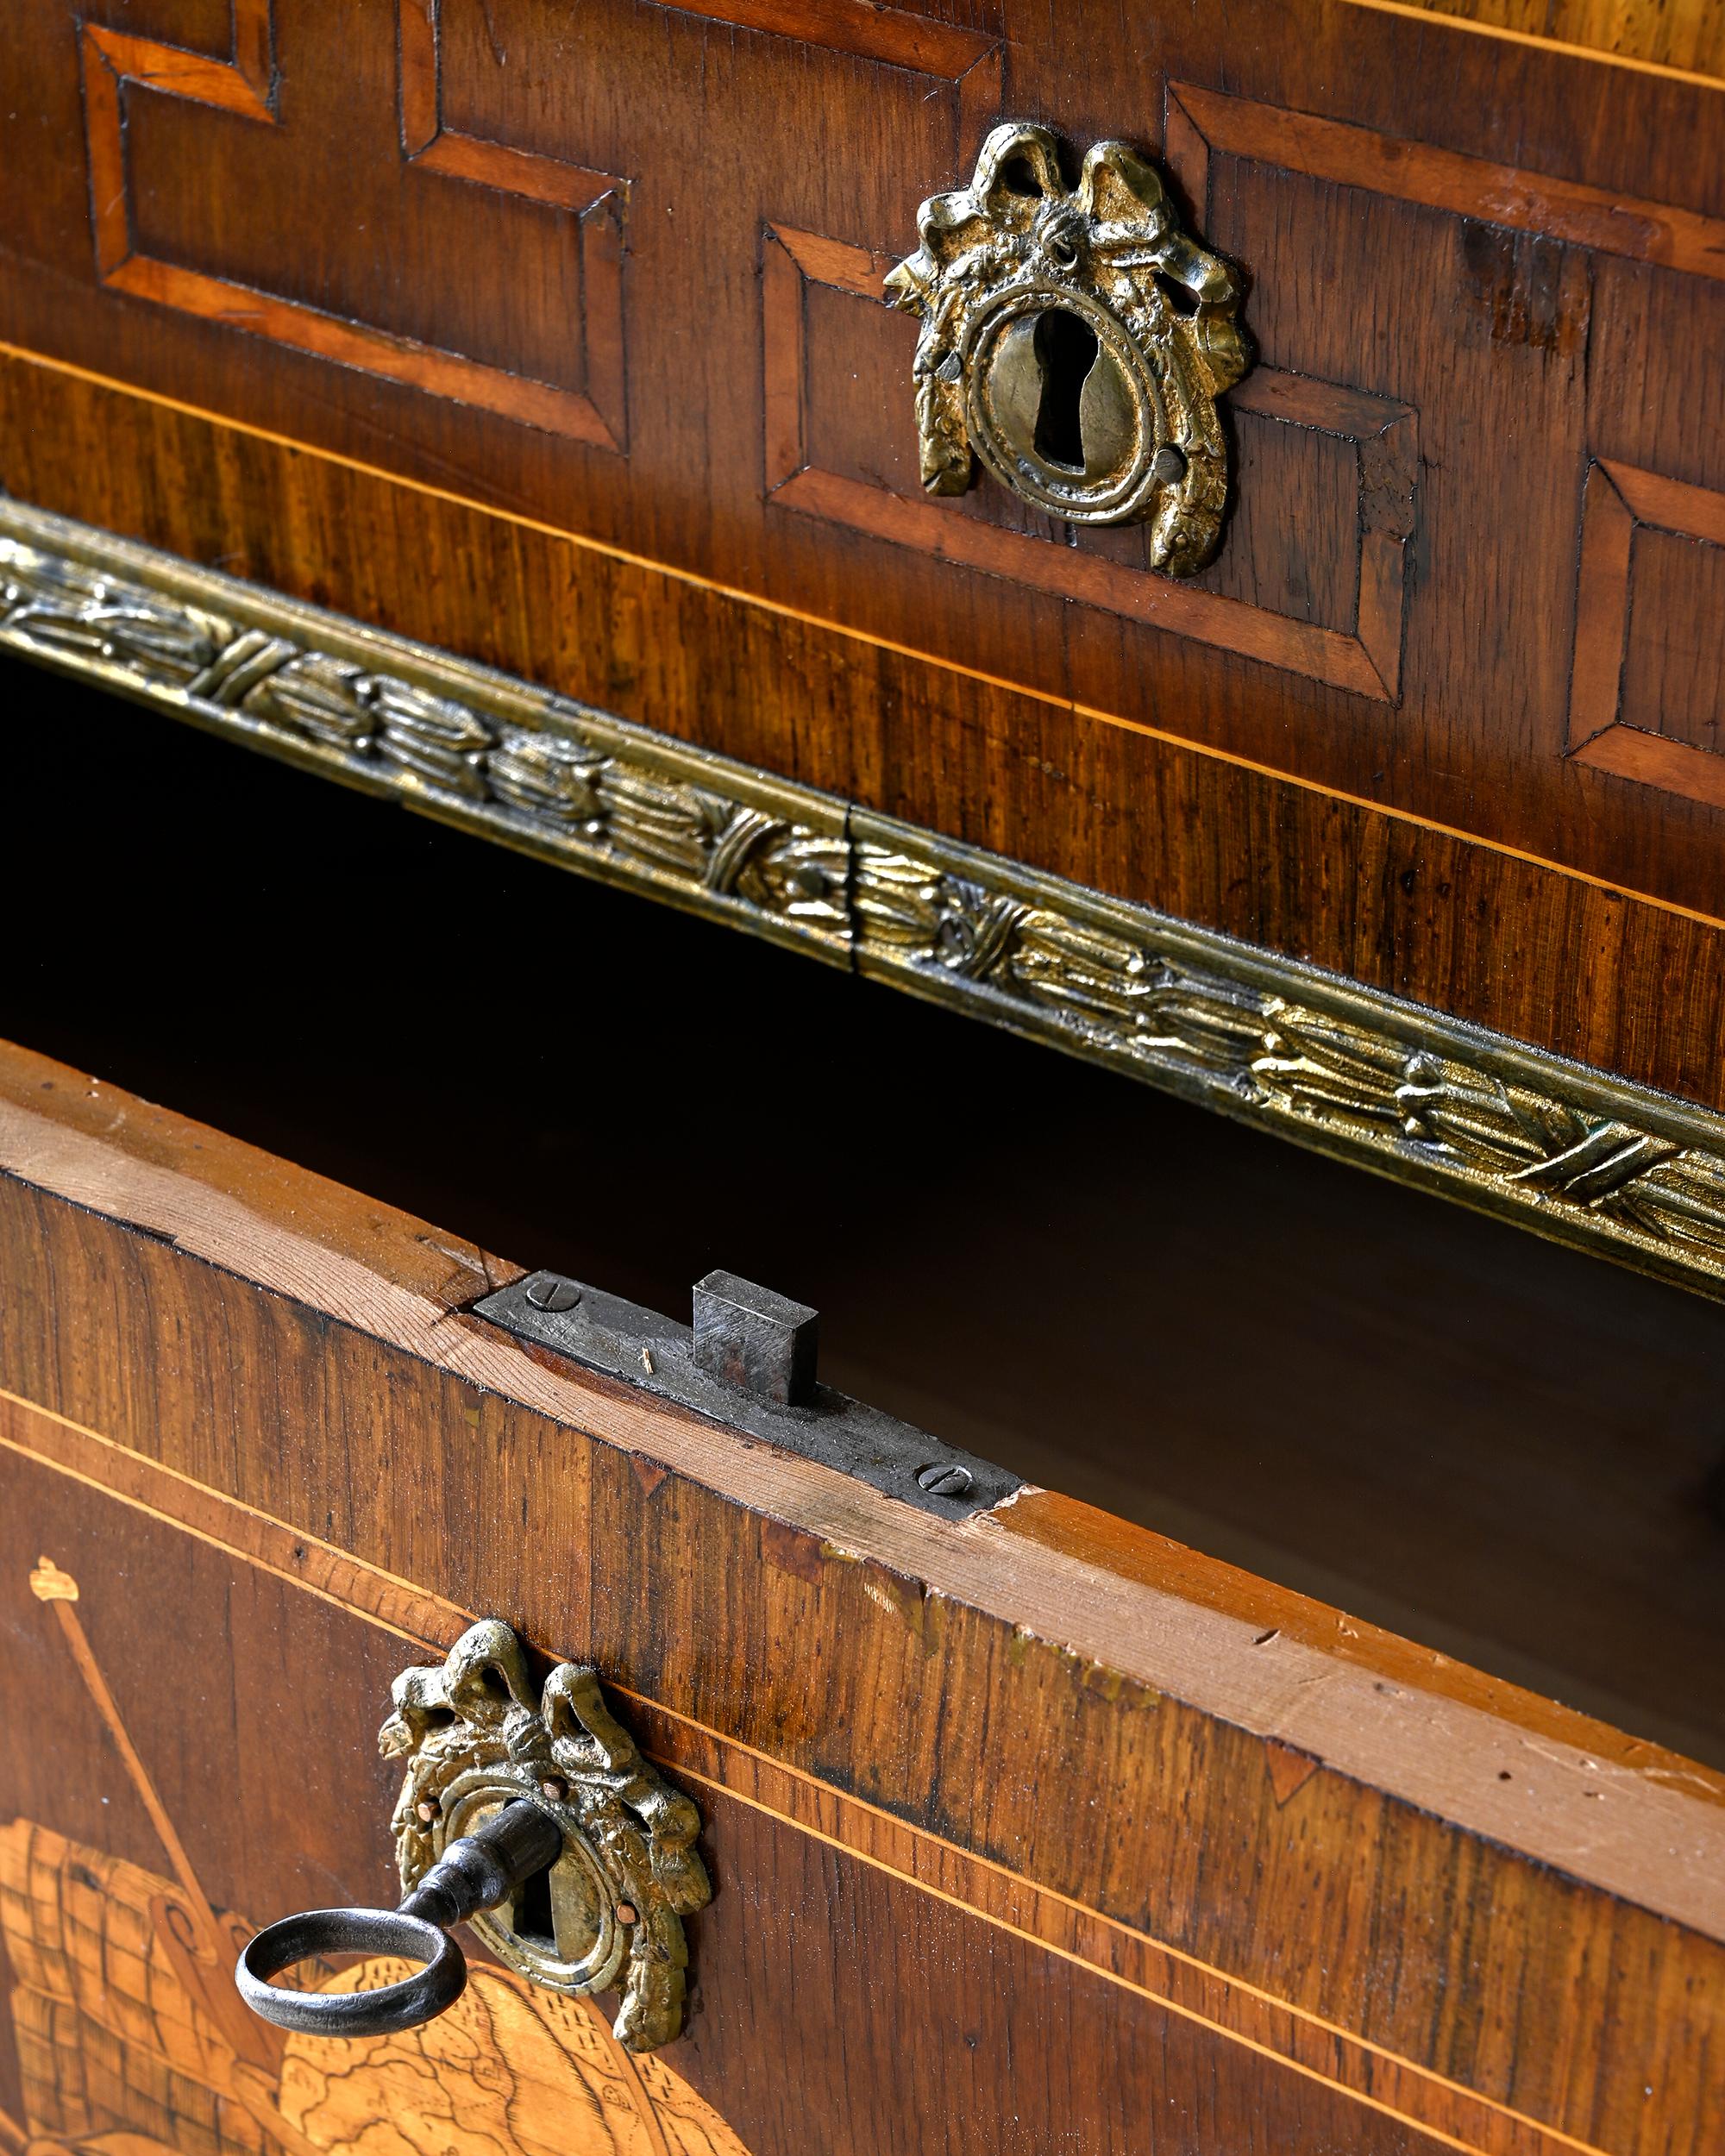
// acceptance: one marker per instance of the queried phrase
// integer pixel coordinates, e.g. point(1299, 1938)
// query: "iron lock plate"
point(736, 1330)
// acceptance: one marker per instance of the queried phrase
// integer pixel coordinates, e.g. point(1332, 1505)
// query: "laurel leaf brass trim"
point(1075, 340)
point(477, 1733)
point(1566, 1151)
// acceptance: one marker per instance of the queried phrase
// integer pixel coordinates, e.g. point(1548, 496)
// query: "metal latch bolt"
point(748, 1361)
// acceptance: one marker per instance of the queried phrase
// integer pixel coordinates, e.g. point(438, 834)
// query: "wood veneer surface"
point(1492, 1905)
point(1679, 34)
point(895, 1659)
point(553, 435)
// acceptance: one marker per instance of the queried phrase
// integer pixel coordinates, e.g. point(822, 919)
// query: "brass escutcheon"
point(529, 1814)
point(478, 1734)
point(1075, 341)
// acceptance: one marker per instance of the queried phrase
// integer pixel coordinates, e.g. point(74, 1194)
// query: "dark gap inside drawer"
point(1509, 1451)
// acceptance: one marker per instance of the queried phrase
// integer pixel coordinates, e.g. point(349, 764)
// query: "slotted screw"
point(549, 1293)
point(951, 1481)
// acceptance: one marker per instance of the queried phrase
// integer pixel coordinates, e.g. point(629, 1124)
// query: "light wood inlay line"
point(1166, 1975)
point(892, 36)
point(1657, 1843)
point(1413, 11)
point(1463, 185)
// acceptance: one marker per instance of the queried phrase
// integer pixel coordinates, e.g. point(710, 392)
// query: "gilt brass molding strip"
point(1563, 1150)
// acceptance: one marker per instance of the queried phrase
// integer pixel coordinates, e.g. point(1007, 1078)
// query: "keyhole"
point(533, 1920)
point(1065, 353)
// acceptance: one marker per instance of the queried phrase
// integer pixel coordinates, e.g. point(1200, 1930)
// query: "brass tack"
point(428, 1808)
point(626, 1913)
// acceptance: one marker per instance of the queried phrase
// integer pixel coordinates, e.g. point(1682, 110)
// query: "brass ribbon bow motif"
point(477, 1733)
point(1024, 285)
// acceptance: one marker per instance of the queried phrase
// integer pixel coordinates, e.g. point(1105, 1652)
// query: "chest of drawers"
point(502, 407)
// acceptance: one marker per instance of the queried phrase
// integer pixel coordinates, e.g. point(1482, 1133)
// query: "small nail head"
point(427, 1809)
point(1169, 466)
point(553, 1788)
point(548, 1292)
point(945, 1479)
point(627, 1912)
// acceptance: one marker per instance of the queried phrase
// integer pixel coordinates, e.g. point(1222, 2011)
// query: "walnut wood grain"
point(245, 82)
point(1465, 187)
point(848, 1993)
point(1427, 913)
point(1351, 743)
point(1366, 658)
point(1686, 36)
point(1392, 1334)
point(732, 1780)
point(1294, 1805)
point(1645, 693)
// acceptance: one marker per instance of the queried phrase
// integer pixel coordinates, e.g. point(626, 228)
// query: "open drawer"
point(1028, 1827)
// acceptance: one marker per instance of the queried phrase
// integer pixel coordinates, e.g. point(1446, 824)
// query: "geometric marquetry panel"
point(1352, 454)
point(120, 66)
point(1647, 689)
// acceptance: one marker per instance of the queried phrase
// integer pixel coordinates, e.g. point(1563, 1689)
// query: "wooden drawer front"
point(514, 236)
point(618, 273)
point(557, 340)
point(862, 1984)
point(1029, 1832)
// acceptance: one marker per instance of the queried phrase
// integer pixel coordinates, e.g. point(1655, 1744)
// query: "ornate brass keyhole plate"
point(1075, 341)
point(477, 1735)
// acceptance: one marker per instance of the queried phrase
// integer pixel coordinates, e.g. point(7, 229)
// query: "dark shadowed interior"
point(1430, 1419)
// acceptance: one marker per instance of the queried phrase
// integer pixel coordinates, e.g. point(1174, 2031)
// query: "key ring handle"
point(429, 1990)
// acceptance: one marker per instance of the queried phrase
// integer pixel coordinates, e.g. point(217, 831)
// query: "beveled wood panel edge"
point(1290, 2035)
point(1365, 660)
point(1453, 181)
point(1551, 1786)
point(1572, 1153)
point(1617, 501)
point(245, 82)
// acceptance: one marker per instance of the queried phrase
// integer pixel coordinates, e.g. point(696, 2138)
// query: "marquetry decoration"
point(62, 1934)
point(1204, 123)
point(120, 65)
point(110, 2043)
point(1377, 435)
point(1648, 687)
point(1075, 341)
point(476, 1732)
point(128, 2022)
point(1563, 1150)
point(519, 2070)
